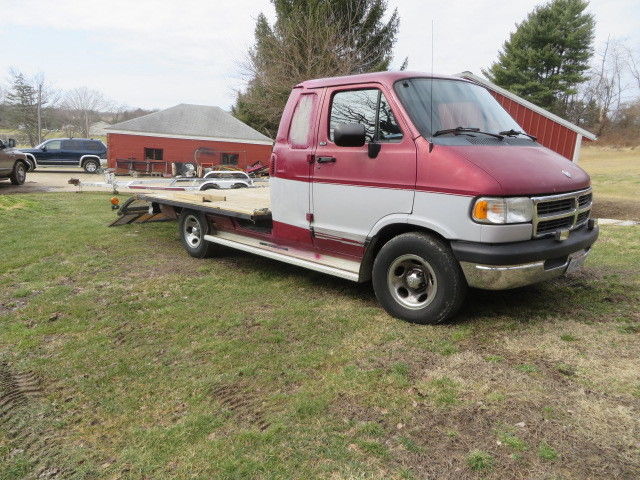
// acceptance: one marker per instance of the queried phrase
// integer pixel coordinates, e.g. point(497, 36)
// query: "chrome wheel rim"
point(412, 281)
point(91, 167)
point(192, 231)
point(21, 173)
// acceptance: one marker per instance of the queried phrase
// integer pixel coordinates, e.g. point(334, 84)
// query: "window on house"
point(153, 154)
point(230, 158)
point(369, 108)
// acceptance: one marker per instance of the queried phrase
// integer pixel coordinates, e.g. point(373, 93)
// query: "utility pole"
point(39, 109)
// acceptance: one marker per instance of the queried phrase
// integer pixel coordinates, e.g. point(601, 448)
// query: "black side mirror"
point(44, 149)
point(349, 135)
point(11, 142)
point(373, 149)
point(2, 145)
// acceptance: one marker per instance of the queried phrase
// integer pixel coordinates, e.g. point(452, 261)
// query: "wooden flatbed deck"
point(247, 203)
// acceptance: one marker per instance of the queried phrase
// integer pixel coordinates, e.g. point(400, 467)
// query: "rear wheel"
point(210, 186)
point(193, 227)
point(416, 278)
point(91, 166)
point(19, 174)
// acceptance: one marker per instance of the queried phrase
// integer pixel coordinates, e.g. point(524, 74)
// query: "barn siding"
point(123, 146)
point(552, 135)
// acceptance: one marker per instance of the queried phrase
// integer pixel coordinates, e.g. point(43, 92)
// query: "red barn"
point(553, 132)
point(201, 135)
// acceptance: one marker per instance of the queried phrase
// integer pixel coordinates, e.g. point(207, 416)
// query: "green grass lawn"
point(615, 174)
point(123, 358)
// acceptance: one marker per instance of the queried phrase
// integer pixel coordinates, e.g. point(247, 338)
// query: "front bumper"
point(511, 265)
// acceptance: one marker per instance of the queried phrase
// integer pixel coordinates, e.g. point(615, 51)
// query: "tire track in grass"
point(19, 394)
point(242, 403)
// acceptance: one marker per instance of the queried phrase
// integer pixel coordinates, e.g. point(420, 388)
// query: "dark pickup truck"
point(13, 163)
point(68, 152)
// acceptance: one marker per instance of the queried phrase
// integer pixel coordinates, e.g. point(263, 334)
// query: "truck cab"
point(422, 184)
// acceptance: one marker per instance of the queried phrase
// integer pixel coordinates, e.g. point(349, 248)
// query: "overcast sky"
point(156, 54)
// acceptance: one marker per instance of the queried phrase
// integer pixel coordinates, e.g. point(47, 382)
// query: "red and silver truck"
point(422, 184)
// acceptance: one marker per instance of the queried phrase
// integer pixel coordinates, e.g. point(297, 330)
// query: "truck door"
point(70, 153)
point(291, 168)
point(50, 153)
point(350, 191)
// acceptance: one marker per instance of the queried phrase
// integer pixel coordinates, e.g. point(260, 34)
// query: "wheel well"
point(388, 232)
point(84, 159)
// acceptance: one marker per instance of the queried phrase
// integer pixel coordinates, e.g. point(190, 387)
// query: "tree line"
point(33, 110)
point(549, 59)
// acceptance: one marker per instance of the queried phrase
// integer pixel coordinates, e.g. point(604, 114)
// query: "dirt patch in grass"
point(244, 404)
point(618, 209)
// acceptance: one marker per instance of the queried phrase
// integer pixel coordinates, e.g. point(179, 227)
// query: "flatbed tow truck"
point(421, 183)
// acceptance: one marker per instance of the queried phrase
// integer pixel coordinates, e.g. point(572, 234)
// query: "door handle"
point(326, 159)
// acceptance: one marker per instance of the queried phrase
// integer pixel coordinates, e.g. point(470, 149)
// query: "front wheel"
point(416, 278)
point(19, 174)
point(193, 227)
point(91, 166)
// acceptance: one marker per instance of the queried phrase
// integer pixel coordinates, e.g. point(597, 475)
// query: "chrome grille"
point(561, 212)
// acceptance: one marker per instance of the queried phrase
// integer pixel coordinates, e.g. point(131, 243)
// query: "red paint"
point(552, 135)
point(122, 146)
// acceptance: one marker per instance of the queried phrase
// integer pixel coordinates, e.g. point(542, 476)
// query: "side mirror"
point(2, 145)
point(11, 142)
point(349, 135)
point(44, 149)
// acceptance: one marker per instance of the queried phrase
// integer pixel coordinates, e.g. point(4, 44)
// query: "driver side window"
point(53, 145)
point(368, 107)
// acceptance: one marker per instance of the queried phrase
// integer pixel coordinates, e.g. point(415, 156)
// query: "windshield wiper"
point(463, 130)
point(515, 133)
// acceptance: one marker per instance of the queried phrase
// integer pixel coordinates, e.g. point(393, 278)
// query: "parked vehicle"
point(13, 164)
point(422, 184)
point(68, 152)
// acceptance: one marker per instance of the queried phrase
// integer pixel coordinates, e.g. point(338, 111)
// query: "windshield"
point(454, 104)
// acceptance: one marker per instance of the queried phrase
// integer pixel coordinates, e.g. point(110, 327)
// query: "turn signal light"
point(115, 201)
point(480, 210)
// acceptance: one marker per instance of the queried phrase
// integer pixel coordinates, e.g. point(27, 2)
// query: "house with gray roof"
point(202, 135)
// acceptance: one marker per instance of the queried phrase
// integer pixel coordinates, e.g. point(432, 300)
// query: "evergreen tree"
point(311, 39)
point(547, 56)
point(23, 106)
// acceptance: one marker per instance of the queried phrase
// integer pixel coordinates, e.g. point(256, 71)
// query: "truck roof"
point(387, 78)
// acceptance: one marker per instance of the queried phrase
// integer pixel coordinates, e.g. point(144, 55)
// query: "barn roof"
point(189, 121)
point(531, 106)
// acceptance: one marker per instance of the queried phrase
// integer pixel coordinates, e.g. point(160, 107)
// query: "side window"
point(388, 128)
point(153, 154)
point(54, 145)
point(230, 158)
point(369, 108)
point(300, 129)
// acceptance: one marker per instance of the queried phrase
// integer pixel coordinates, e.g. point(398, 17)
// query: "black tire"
point(19, 174)
point(239, 185)
point(91, 166)
point(32, 164)
point(416, 278)
point(210, 186)
point(193, 226)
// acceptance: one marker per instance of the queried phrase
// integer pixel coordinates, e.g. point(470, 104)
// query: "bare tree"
point(603, 95)
point(83, 107)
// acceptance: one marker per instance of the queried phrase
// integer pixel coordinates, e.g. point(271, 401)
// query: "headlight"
point(503, 210)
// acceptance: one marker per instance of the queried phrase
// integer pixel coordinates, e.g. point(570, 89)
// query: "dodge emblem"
point(566, 174)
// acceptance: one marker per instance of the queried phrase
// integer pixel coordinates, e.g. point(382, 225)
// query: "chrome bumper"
point(492, 277)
